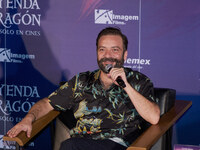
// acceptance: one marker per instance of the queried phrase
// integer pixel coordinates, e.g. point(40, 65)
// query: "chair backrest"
point(166, 100)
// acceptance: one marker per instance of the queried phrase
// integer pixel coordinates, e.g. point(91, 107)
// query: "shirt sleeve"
point(62, 98)
point(147, 89)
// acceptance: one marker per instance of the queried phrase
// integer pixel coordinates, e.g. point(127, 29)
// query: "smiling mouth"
point(108, 62)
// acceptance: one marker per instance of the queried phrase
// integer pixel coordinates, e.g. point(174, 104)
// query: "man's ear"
point(125, 55)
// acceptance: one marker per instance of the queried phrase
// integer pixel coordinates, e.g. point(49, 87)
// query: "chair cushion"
point(61, 134)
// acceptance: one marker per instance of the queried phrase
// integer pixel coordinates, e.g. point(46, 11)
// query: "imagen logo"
point(7, 56)
point(103, 16)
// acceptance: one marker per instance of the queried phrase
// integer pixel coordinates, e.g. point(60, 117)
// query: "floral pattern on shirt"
point(100, 113)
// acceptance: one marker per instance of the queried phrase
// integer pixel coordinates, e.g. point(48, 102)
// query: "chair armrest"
point(38, 125)
point(154, 132)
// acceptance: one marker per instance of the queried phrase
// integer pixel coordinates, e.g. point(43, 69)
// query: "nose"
point(107, 54)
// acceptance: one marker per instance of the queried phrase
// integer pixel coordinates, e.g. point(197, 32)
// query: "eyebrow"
point(111, 47)
point(101, 47)
point(116, 47)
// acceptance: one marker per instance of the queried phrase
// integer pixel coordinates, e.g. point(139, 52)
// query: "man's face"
point(110, 51)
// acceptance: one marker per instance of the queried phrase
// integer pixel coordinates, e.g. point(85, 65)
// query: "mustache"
point(108, 59)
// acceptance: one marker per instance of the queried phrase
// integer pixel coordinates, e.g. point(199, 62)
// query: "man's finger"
point(16, 132)
point(29, 132)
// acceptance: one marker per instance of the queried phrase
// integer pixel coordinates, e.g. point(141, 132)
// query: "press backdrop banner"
point(45, 42)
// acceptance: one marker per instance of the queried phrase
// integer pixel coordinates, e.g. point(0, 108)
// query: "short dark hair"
point(113, 31)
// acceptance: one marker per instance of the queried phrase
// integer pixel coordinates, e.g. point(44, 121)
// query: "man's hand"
point(118, 72)
point(24, 125)
point(38, 110)
point(148, 110)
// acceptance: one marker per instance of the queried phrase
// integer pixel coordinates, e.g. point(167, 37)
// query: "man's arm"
point(38, 110)
point(150, 111)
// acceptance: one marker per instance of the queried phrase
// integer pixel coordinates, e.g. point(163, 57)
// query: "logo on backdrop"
point(103, 16)
point(25, 12)
point(136, 63)
point(7, 56)
point(19, 100)
point(17, 18)
point(6, 144)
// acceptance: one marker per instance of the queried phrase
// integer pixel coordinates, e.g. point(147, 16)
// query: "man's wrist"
point(129, 88)
point(32, 115)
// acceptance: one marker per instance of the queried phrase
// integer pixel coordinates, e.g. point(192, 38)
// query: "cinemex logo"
point(103, 16)
point(136, 63)
point(7, 56)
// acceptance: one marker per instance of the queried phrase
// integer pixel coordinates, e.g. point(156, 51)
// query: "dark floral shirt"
point(103, 114)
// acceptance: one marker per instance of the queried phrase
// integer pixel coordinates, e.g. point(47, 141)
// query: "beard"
point(118, 63)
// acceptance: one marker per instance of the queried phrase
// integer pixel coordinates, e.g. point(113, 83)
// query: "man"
point(109, 115)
